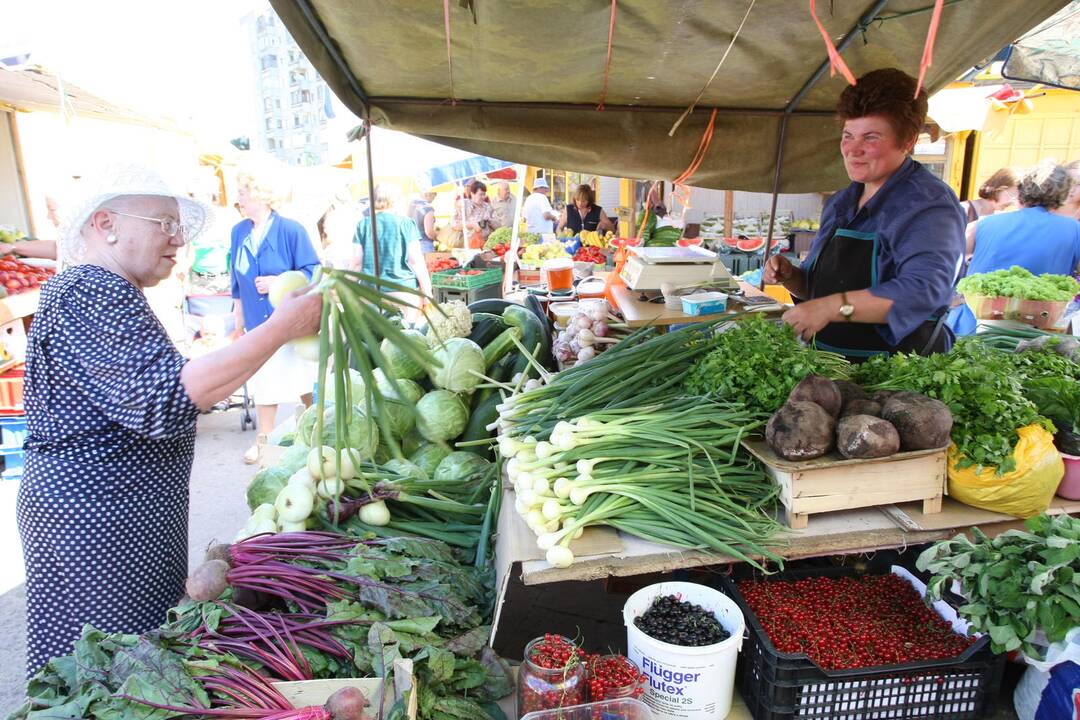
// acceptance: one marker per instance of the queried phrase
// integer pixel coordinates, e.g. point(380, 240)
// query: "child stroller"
point(209, 319)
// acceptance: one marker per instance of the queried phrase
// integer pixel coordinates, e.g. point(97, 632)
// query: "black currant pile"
point(679, 622)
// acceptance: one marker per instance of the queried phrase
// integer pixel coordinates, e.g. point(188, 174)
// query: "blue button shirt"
point(285, 247)
point(1033, 238)
point(919, 229)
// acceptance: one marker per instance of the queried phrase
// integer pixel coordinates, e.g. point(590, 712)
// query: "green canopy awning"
point(527, 76)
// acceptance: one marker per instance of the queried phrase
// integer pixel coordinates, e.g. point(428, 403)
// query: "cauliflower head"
point(455, 320)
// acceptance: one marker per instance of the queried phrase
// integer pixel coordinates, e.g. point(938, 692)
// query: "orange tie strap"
point(836, 63)
point(928, 49)
point(703, 148)
point(607, 61)
point(648, 209)
point(449, 55)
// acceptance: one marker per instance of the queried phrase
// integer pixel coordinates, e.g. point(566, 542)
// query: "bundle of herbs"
point(1015, 584)
point(758, 362)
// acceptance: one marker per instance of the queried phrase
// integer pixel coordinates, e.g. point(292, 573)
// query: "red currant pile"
point(852, 622)
point(552, 676)
point(614, 676)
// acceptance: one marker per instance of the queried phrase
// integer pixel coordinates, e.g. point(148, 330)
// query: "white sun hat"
point(121, 180)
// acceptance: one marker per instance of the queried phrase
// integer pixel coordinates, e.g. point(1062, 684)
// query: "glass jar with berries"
point(551, 676)
point(612, 677)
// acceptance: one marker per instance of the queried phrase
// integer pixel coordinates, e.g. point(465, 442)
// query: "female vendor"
point(879, 275)
point(584, 214)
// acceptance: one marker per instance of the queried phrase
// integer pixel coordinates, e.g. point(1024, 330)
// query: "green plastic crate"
point(453, 279)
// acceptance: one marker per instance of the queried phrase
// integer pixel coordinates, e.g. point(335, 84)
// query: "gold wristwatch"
point(846, 308)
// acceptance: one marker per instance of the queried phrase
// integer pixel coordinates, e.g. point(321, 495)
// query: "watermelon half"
point(731, 242)
point(751, 245)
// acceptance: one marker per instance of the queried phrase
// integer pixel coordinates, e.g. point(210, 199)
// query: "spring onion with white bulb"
point(671, 472)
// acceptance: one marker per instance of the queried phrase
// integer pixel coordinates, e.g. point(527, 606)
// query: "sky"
point(189, 60)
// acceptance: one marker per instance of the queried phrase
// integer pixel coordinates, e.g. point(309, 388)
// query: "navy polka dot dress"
point(103, 504)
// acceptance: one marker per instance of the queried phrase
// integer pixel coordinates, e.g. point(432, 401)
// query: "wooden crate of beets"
point(832, 482)
point(790, 686)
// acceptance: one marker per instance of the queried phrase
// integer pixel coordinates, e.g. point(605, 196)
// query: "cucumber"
point(486, 327)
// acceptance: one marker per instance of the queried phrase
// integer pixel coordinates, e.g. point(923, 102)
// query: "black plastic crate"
point(468, 296)
point(789, 686)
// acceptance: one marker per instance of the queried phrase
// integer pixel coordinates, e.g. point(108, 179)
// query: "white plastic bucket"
point(686, 683)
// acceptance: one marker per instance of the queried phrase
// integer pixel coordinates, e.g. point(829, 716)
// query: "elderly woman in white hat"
point(111, 408)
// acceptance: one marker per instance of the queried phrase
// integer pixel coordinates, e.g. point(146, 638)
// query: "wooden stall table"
point(639, 313)
point(602, 552)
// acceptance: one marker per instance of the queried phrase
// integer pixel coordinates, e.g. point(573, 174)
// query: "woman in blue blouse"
point(879, 276)
point(264, 245)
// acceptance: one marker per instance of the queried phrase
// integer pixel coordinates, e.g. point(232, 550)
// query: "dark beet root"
point(208, 581)
point(348, 703)
point(819, 390)
point(851, 391)
point(866, 436)
point(219, 551)
point(923, 423)
point(251, 599)
point(801, 431)
point(861, 406)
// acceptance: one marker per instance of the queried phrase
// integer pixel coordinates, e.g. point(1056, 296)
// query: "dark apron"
point(848, 262)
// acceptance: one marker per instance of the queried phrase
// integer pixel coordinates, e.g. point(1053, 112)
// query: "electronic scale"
point(647, 268)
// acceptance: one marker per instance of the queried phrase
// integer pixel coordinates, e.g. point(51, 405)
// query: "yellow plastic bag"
point(1024, 492)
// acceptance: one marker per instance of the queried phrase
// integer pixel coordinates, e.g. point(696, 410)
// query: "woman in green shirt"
point(401, 259)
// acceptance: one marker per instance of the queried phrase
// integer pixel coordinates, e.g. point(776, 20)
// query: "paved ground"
point(218, 510)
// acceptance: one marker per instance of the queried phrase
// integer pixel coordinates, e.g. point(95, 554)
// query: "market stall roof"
point(36, 89)
point(522, 80)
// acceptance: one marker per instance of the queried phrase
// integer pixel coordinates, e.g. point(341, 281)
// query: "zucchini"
point(484, 409)
point(498, 348)
point(533, 333)
point(495, 306)
point(486, 327)
point(545, 357)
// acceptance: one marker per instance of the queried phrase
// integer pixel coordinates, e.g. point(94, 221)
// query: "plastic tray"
point(779, 686)
point(454, 279)
point(12, 434)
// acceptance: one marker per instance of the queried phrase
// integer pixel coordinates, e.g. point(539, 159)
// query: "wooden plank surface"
point(19, 306)
point(831, 533)
point(639, 313)
point(761, 450)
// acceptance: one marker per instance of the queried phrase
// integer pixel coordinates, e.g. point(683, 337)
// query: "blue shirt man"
point(1033, 238)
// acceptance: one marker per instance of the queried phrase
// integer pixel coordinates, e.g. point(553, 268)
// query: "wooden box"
point(305, 693)
point(833, 482)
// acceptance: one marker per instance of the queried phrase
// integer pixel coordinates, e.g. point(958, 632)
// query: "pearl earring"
point(111, 239)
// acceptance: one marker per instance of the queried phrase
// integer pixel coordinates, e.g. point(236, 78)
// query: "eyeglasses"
point(170, 226)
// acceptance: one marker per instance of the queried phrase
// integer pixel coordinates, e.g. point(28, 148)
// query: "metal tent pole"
point(371, 201)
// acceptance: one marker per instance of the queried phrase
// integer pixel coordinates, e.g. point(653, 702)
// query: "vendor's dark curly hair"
point(889, 93)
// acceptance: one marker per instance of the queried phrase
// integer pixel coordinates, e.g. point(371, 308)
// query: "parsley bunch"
point(758, 362)
point(1018, 282)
